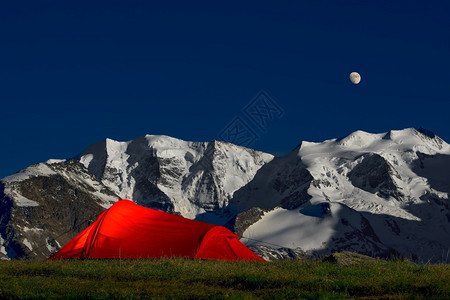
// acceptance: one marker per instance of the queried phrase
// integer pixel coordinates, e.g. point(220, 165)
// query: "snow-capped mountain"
point(43, 206)
point(377, 194)
point(173, 175)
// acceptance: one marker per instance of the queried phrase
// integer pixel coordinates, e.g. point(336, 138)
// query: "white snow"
point(35, 170)
point(86, 180)
point(44, 169)
point(106, 200)
point(33, 230)
point(333, 159)
point(359, 139)
point(24, 202)
point(55, 161)
point(2, 246)
point(20, 200)
point(50, 248)
point(28, 244)
point(188, 184)
point(291, 229)
point(116, 162)
point(86, 159)
point(119, 165)
point(406, 224)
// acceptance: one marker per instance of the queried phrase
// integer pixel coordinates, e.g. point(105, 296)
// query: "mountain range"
point(381, 194)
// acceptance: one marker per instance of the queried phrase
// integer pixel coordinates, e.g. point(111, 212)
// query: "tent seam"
point(84, 253)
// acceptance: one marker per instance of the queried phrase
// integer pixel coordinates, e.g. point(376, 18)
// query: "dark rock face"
point(162, 172)
point(243, 220)
point(97, 167)
point(64, 206)
point(48, 204)
point(63, 198)
point(436, 168)
point(441, 205)
point(282, 182)
point(12, 247)
point(375, 175)
point(203, 176)
point(272, 254)
point(146, 191)
point(354, 231)
point(426, 132)
point(296, 199)
point(360, 237)
point(430, 137)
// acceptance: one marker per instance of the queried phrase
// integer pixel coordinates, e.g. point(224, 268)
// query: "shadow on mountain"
point(99, 153)
point(375, 235)
point(319, 210)
point(436, 168)
point(146, 174)
point(375, 175)
point(12, 246)
point(284, 182)
point(388, 236)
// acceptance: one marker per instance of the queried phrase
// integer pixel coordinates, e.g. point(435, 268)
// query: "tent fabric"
point(129, 231)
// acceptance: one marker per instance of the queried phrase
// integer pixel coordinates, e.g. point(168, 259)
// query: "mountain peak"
point(163, 140)
point(31, 171)
point(359, 138)
point(366, 192)
point(426, 132)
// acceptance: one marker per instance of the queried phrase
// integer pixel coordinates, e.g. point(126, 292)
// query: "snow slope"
point(42, 206)
point(394, 185)
point(377, 194)
point(189, 178)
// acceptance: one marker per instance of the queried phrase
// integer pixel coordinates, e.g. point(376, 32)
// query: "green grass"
point(185, 278)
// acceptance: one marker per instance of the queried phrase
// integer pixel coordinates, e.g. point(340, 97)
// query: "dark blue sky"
point(74, 73)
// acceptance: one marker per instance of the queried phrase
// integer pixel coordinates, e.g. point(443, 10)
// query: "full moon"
point(355, 78)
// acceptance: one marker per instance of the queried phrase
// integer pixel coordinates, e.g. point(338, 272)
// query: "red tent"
point(127, 230)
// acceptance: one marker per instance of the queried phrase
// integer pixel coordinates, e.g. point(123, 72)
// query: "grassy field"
point(185, 278)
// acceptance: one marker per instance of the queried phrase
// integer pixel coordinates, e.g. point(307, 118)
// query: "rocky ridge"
point(376, 194)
